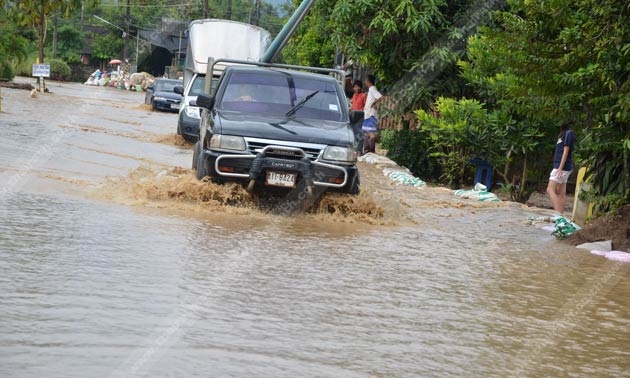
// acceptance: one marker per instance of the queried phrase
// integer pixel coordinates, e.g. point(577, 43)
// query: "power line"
point(149, 6)
point(139, 5)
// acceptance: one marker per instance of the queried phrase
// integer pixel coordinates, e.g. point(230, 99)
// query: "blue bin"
point(483, 173)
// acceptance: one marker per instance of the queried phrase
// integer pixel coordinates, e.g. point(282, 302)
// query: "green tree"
point(269, 19)
point(13, 47)
point(36, 14)
point(311, 44)
point(106, 46)
point(460, 132)
point(69, 42)
point(148, 15)
point(413, 46)
point(606, 79)
point(552, 61)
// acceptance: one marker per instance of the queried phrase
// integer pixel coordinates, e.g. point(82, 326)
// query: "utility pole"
point(126, 33)
point(137, 47)
point(256, 20)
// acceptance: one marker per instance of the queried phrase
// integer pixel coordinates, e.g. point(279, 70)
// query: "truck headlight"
point(193, 112)
point(339, 154)
point(227, 142)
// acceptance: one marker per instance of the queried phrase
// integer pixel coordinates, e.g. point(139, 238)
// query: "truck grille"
point(311, 150)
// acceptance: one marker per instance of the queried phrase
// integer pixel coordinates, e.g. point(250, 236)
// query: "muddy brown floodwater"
point(117, 262)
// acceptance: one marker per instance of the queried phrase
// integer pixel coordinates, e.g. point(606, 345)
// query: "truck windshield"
point(277, 93)
point(197, 86)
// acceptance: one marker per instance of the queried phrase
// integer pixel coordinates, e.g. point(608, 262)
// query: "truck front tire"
point(201, 166)
point(355, 186)
point(196, 154)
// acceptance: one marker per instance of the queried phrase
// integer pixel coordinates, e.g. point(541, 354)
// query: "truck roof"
point(219, 38)
point(280, 71)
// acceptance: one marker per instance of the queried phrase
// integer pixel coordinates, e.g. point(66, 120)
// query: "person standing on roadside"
point(370, 122)
point(562, 167)
point(357, 103)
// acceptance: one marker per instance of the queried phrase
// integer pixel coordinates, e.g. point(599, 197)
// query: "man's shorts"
point(370, 125)
point(562, 179)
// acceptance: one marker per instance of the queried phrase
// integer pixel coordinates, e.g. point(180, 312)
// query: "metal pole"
point(179, 49)
point(287, 31)
point(137, 44)
point(124, 36)
point(107, 22)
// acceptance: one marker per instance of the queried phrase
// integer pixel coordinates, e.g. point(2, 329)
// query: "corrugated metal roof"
point(172, 43)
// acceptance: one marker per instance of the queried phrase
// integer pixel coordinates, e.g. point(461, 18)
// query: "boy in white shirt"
point(370, 123)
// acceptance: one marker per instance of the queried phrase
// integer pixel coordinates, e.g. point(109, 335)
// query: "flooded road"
point(116, 262)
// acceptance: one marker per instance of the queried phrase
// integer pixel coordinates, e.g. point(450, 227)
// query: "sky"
point(275, 2)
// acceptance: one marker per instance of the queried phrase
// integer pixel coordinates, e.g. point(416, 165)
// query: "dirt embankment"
point(12, 85)
point(615, 227)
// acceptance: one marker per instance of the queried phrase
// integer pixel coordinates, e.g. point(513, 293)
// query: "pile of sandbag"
point(479, 193)
point(143, 79)
point(402, 176)
point(95, 78)
point(399, 175)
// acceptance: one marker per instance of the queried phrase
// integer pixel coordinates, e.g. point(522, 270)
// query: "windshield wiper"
point(279, 126)
point(300, 104)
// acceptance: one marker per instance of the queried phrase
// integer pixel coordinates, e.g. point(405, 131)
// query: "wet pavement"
point(117, 262)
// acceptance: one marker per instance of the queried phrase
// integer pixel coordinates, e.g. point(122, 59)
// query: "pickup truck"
point(277, 129)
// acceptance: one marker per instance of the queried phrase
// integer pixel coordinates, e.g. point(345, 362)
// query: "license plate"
point(281, 179)
point(174, 106)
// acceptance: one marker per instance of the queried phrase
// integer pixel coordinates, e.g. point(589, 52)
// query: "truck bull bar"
point(263, 161)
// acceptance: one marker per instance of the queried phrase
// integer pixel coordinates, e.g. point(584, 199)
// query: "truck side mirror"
point(179, 90)
point(205, 101)
point(355, 116)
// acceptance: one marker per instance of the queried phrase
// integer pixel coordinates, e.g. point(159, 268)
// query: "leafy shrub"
point(6, 71)
point(59, 70)
point(24, 68)
point(461, 132)
point(410, 149)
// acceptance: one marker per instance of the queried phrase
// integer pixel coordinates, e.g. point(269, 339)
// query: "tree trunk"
point(522, 192)
point(256, 20)
point(228, 13)
point(54, 52)
point(42, 30)
point(506, 167)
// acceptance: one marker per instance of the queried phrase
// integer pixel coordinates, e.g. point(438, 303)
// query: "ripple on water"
point(209, 282)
